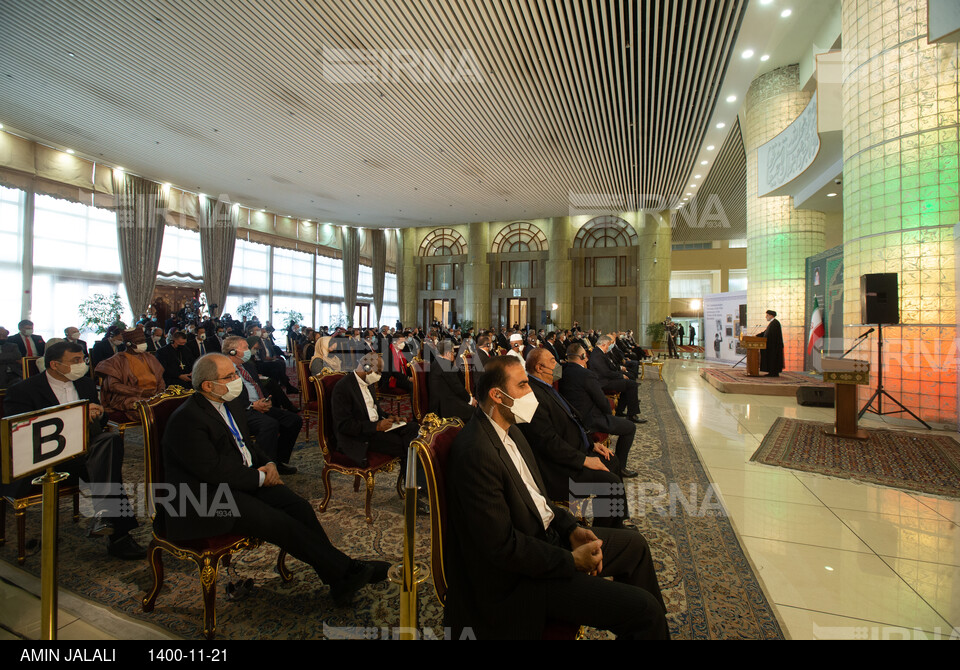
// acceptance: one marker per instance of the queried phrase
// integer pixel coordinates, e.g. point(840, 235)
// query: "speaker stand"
point(879, 394)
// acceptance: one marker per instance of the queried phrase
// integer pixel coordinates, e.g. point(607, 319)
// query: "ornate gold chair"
point(333, 460)
point(22, 495)
point(308, 395)
point(207, 553)
point(420, 401)
point(30, 367)
point(433, 449)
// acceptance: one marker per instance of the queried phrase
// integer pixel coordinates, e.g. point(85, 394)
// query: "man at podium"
point(771, 358)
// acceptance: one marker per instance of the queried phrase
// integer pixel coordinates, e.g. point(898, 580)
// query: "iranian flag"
point(816, 326)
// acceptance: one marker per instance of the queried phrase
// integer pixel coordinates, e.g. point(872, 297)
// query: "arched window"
point(443, 242)
point(520, 236)
point(605, 231)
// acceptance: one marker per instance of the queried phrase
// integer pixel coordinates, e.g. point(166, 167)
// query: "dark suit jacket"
point(557, 439)
point(499, 558)
point(581, 388)
point(447, 393)
point(35, 393)
point(11, 366)
point(170, 359)
point(38, 344)
point(352, 427)
point(606, 370)
point(198, 448)
point(101, 351)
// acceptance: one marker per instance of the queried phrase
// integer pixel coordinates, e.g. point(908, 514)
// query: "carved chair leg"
point(327, 491)
point(21, 536)
point(370, 483)
point(356, 483)
point(208, 582)
point(155, 557)
point(282, 569)
point(3, 521)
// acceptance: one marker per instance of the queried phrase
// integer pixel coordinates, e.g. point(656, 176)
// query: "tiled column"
point(779, 237)
point(407, 298)
point(476, 276)
point(900, 146)
point(653, 268)
point(559, 271)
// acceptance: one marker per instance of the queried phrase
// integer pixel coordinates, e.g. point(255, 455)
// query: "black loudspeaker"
point(815, 396)
point(743, 316)
point(879, 299)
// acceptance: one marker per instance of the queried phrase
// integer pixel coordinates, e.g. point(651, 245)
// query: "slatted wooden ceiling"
point(545, 99)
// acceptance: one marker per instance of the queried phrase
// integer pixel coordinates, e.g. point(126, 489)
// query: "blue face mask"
point(246, 355)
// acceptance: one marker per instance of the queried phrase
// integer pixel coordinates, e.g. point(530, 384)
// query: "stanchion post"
point(409, 605)
point(48, 558)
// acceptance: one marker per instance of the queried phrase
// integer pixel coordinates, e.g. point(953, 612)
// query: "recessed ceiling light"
point(731, 98)
point(786, 13)
point(765, 2)
point(693, 185)
point(1, 126)
point(711, 148)
point(262, 211)
point(704, 162)
point(764, 58)
point(831, 195)
point(698, 176)
point(118, 169)
point(71, 151)
point(748, 54)
point(167, 186)
point(721, 126)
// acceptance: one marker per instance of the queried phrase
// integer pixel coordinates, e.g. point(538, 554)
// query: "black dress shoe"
point(423, 507)
point(628, 474)
point(636, 419)
point(380, 569)
point(126, 548)
point(286, 469)
point(100, 526)
point(357, 576)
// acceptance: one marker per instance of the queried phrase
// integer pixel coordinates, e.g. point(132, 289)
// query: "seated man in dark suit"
point(28, 343)
point(276, 429)
point(359, 425)
point(581, 388)
point(72, 334)
point(65, 380)
point(11, 365)
point(514, 561)
point(614, 380)
point(110, 345)
point(207, 444)
point(447, 392)
point(177, 360)
point(564, 452)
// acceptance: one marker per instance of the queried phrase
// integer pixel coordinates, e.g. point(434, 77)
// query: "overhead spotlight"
point(764, 58)
point(831, 195)
point(118, 169)
point(786, 13)
point(721, 126)
point(704, 162)
point(711, 148)
point(1, 126)
point(731, 98)
point(698, 176)
point(166, 187)
point(71, 151)
point(693, 185)
point(748, 54)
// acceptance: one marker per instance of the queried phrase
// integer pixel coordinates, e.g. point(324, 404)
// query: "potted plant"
point(656, 332)
point(247, 310)
point(99, 312)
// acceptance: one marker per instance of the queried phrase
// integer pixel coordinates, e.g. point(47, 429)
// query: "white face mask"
point(524, 407)
point(372, 378)
point(73, 337)
point(27, 332)
point(140, 348)
point(234, 387)
point(77, 370)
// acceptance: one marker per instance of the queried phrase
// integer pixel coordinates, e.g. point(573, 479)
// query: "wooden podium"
point(753, 345)
point(846, 374)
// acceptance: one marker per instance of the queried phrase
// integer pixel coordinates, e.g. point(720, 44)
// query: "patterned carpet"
point(921, 462)
point(708, 585)
point(735, 380)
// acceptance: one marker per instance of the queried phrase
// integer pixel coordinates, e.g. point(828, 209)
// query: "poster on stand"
point(722, 327)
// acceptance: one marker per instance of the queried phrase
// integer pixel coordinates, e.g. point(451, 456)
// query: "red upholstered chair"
point(420, 400)
point(21, 495)
point(308, 395)
point(469, 374)
point(207, 553)
point(433, 449)
point(333, 460)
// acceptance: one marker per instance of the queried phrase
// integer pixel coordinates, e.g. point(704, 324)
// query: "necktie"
point(246, 375)
point(28, 343)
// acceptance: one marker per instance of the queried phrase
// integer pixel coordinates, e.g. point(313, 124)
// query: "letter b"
point(55, 436)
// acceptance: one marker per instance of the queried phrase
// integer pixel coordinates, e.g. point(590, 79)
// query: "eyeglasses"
point(230, 377)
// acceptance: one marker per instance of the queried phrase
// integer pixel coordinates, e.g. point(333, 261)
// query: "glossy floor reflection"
point(840, 559)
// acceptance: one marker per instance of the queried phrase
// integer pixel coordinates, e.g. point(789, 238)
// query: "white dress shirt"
point(546, 514)
point(65, 391)
point(372, 413)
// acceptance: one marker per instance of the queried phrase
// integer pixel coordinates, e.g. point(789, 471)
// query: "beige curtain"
point(218, 221)
point(351, 270)
point(379, 249)
point(141, 210)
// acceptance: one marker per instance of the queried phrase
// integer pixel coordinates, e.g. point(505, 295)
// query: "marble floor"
point(838, 559)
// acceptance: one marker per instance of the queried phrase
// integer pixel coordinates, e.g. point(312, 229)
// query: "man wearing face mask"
point(65, 380)
point(275, 428)
point(110, 345)
point(359, 425)
point(515, 560)
point(447, 392)
point(177, 360)
point(129, 377)
point(72, 334)
point(28, 343)
point(207, 444)
point(155, 340)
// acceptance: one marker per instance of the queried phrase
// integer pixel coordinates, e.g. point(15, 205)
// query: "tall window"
point(181, 252)
point(694, 284)
point(737, 280)
point(292, 285)
point(391, 306)
point(11, 250)
point(329, 291)
point(249, 279)
point(74, 256)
